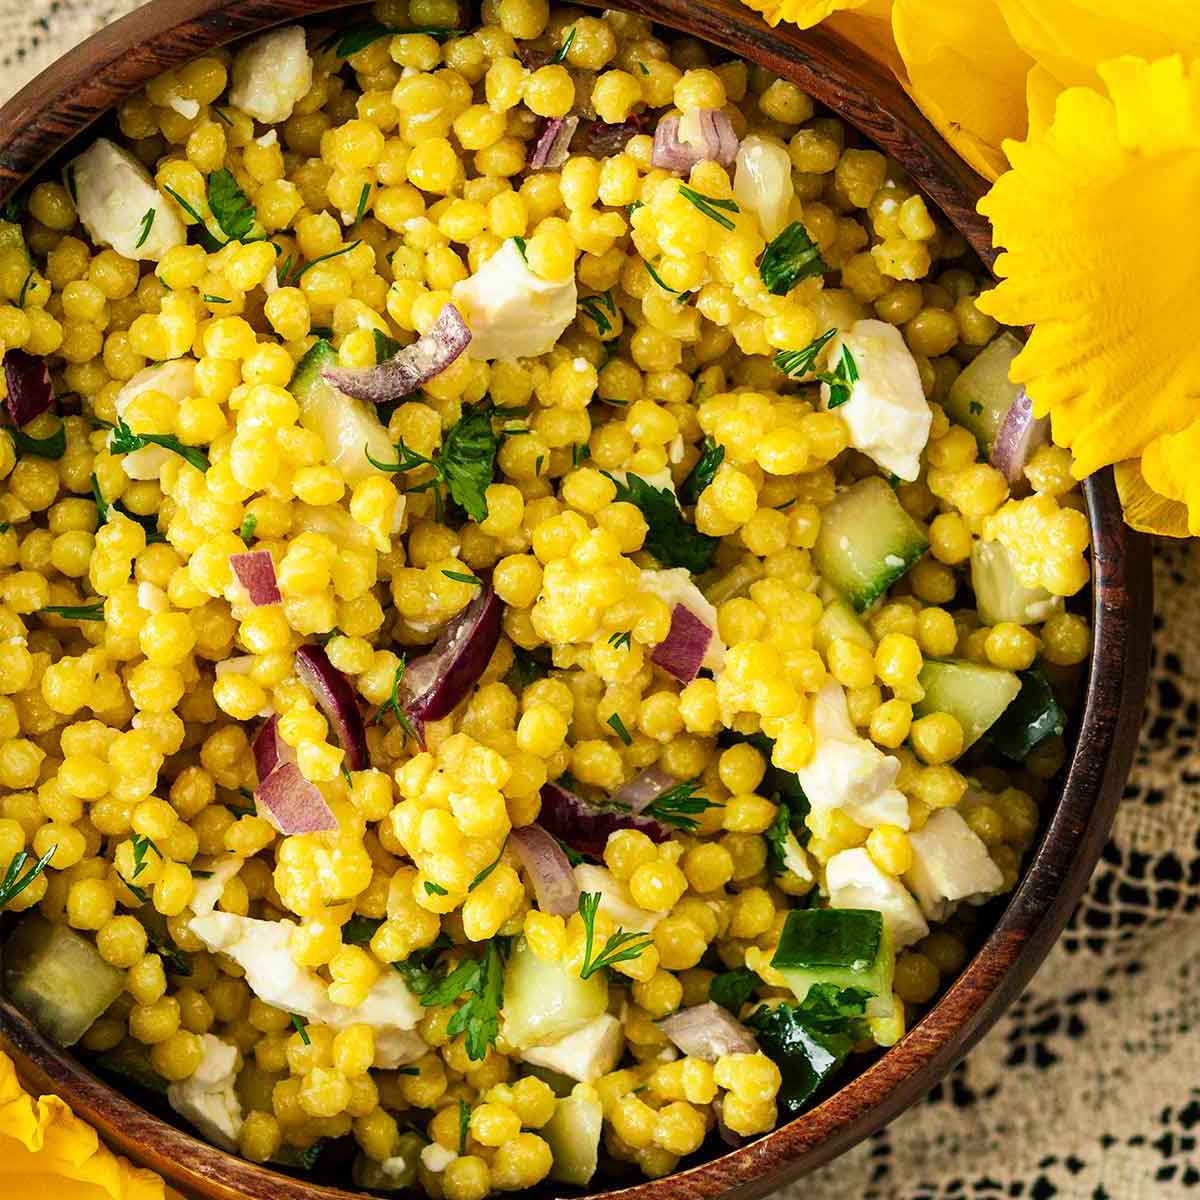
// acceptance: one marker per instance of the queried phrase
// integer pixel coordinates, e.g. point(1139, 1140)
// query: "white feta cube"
point(586, 1054)
point(207, 892)
point(208, 1100)
point(950, 864)
point(887, 415)
point(854, 881)
point(271, 74)
point(115, 195)
point(435, 1158)
point(512, 312)
point(176, 379)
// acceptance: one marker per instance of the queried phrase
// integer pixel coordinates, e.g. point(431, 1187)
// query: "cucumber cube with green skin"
point(979, 399)
point(130, 1060)
point(839, 622)
point(976, 696)
point(543, 1001)
point(1029, 720)
point(867, 541)
point(573, 1135)
point(847, 947)
point(57, 978)
point(999, 593)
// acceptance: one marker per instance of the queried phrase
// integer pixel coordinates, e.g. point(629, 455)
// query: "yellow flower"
point(45, 1150)
point(1094, 217)
point(1144, 508)
point(805, 13)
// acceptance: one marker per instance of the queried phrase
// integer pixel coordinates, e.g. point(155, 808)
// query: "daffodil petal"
point(805, 13)
point(1144, 509)
point(966, 73)
point(869, 28)
point(1169, 468)
point(1041, 95)
point(1091, 216)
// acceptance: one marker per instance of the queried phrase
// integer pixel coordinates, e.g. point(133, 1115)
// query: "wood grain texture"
point(89, 80)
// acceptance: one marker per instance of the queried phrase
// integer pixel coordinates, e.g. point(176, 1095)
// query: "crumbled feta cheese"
point(175, 379)
point(847, 771)
point(263, 950)
point(950, 863)
point(207, 892)
point(675, 586)
point(271, 74)
point(796, 860)
point(151, 598)
point(435, 1158)
point(512, 312)
point(676, 448)
point(887, 414)
point(188, 109)
point(615, 900)
point(113, 193)
point(208, 1100)
point(854, 881)
point(270, 138)
point(395, 1167)
point(270, 285)
point(584, 1055)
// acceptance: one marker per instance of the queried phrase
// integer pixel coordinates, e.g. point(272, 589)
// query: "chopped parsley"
point(790, 257)
point(486, 871)
point(709, 205)
point(249, 525)
point(680, 806)
point(53, 447)
point(579, 452)
point(104, 509)
point(230, 206)
point(974, 407)
point(290, 273)
point(527, 668)
point(358, 931)
point(24, 289)
point(301, 1027)
point(434, 889)
point(464, 1125)
point(616, 723)
point(122, 440)
point(147, 224)
point(519, 242)
point(703, 473)
point(620, 640)
point(86, 612)
point(622, 946)
point(842, 379)
point(669, 537)
point(420, 971)
point(393, 705)
point(795, 363)
point(385, 347)
point(731, 989)
point(140, 846)
point(14, 883)
point(595, 307)
point(665, 287)
point(348, 42)
point(560, 55)
point(459, 577)
point(214, 299)
point(363, 197)
point(481, 981)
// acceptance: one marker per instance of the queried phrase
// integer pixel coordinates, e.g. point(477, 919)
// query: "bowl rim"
point(82, 85)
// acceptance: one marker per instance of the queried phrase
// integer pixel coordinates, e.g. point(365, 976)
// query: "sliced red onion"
point(270, 750)
point(714, 141)
point(554, 143)
point(643, 789)
point(535, 57)
point(549, 869)
point(603, 140)
point(29, 390)
point(291, 804)
point(1019, 435)
point(407, 370)
point(683, 650)
point(585, 827)
point(336, 698)
point(256, 573)
point(708, 1031)
point(434, 684)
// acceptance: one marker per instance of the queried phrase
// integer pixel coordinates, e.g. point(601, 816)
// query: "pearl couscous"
point(527, 598)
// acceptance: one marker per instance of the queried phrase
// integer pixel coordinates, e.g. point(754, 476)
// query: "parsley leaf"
point(434, 889)
point(790, 257)
point(795, 363)
point(616, 723)
point(464, 1125)
point(621, 946)
point(482, 981)
point(708, 205)
point(230, 206)
point(731, 989)
point(385, 347)
point(358, 931)
point(595, 307)
point(620, 640)
point(842, 380)
point(669, 537)
point(486, 871)
point(703, 473)
point(122, 440)
point(527, 668)
point(140, 846)
point(301, 1027)
point(560, 55)
point(53, 447)
point(86, 612)
point(14, 883)
point(249, 525)
point(147, 224)
point(679, 806)
point(459, 577)
point(419, 971)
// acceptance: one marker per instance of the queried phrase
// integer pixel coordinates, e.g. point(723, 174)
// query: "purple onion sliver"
point(586, 827)
point(643, 789)
point(270, 750)
point(405, 372)
point(29, 390)
point(333, 693)
point(256, 573)
point(437, 682)
point(708, 1031)
point(717, 143)
point(603, 140)
point(682, 651)
point(1019, 435)
point(549, 869)
point(554, 143)
point(292, 804)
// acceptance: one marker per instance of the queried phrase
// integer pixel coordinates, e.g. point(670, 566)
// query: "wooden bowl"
point(85, 83)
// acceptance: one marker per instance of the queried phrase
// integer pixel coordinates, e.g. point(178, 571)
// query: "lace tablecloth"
point(1089, 1087)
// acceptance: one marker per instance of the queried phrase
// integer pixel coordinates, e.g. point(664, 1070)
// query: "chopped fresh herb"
point(703, 473)
point(147, 224)
point(670, 538)
point(659, 280)
point(230, 206)
point(14, 883)
point(595, 305)
point(139, 893)
point(459, 577)
point(140, 846)
point(579, 452)
point(102, 505)
point(573, 856)
point(358, 931)
point(223, 117)
point(482, 981)
point(893, 480)
point(244, 810)
point(790, 257)
point(393, 701)
point(486, 871)
point(731, 989)
point(519, 242)
point(842, 380)
point(24, 289)
point(632, 207)
point(350, 41)
point(438, 32)
point(795, 363)
point(306, 1159)
point(680, 806)
point(290, 273)
point(974, 406)
point(13, 209)
point(104, 509)
point(187, 208)
point(434, 889)
point(408, 1071)
point(214, 299)
point(249, 525)
point(537, 464)
point(622, 946)
point(299, 1025)
point(645, 70)
point(122, 440)
point(560, 55)
point(620, 640)
point(420, 970)
point(363, 197)
point(347, 776)
point(53, 447)
point(527, 668)
point(616, 723)
point(175, 961)
point(385, 347)
point(87, 612)
point(464, 1125)
point(709, 205)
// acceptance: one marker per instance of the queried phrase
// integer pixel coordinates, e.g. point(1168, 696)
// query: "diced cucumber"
point(130, 1060)
point(867, 541)
point(976, 695)
point(847, 947)
point(839, 620)
point(573, 1134)
point(999, 593)
point(983, 393)
point(348, 427)
point(543, 1001)
point(57, 978)
point(557, 1082)
point(1029, 720)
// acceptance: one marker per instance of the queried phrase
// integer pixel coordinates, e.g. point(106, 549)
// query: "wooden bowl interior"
point(86, 83)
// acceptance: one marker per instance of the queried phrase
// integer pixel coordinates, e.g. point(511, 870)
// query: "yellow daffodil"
point(805, 13)
point(1144, 508)
point(46, 1151)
